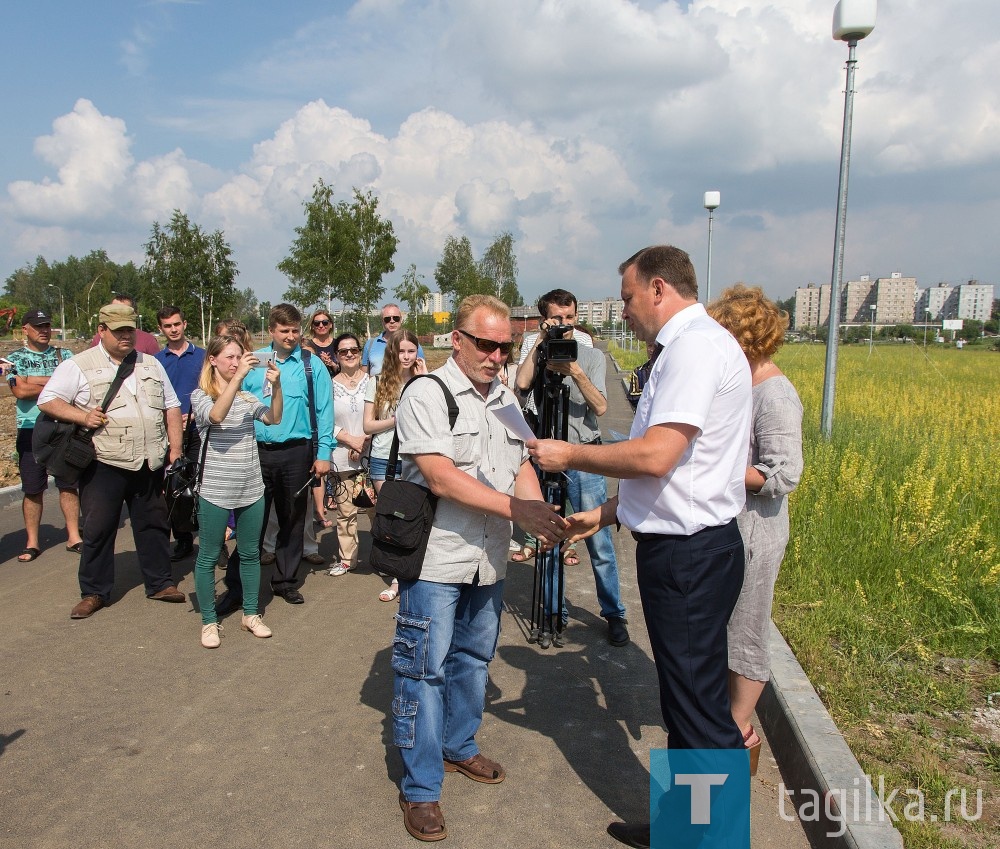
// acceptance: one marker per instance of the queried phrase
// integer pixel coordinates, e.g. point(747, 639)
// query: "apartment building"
point(812, 307)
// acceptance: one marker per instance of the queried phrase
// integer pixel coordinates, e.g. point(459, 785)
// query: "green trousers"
point(212, 521)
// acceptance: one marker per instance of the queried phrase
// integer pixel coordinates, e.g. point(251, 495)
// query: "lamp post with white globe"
point(852, 21)
point(712, 200)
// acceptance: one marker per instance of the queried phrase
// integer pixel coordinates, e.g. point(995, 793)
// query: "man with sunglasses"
point(588, 399)
point(374, 350)
point(449, 618)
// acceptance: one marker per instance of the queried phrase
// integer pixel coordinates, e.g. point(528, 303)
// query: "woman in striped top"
point(231, 478)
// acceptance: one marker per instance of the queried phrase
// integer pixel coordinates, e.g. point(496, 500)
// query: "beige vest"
point(129, 438)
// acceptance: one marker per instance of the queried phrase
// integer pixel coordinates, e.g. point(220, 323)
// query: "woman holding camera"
point(230, 476)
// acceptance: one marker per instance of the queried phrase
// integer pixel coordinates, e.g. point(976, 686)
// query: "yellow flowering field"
point(890, 589)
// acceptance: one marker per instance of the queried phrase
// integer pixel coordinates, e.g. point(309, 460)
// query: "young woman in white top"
point(400, 364)
point(231, 478)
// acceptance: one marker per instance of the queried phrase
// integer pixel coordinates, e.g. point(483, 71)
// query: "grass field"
point(890, 589)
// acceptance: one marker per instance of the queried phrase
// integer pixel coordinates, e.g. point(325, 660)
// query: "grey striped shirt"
point(232, 466)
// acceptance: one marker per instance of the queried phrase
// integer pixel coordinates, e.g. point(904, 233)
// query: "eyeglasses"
point(391, 318)
point(348, 352)
point(488, 346)
point(321, 322)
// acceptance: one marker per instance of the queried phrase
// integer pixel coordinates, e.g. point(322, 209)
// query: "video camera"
point(555, 349)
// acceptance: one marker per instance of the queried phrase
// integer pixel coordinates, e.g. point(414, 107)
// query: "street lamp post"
point(871, 332)
point(62, 309)
point(711, 203)
point(852, 21)
point(927, 320)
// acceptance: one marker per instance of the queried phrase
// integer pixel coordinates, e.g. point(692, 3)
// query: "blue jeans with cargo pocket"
point(446, 635)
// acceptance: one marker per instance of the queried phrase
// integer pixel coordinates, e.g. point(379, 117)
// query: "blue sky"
point(587, 128)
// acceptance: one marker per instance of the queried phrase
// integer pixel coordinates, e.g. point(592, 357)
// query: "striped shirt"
point(231, 476)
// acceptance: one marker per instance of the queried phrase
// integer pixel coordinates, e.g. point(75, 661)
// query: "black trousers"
point(689, 586)
point(285, 469)
point(103, 491)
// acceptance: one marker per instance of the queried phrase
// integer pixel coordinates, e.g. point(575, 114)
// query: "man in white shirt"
point(682, 472)
point(140, 428)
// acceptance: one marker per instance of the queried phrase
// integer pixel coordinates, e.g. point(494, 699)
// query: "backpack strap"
point(311, 393)
point(390, 473)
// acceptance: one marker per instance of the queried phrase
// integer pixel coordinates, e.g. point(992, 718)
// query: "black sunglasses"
point(321, 322)
point(390, 318)
point(345, 351)
point(488, 346)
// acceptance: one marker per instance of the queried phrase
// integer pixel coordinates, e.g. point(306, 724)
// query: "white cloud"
point(91, 154)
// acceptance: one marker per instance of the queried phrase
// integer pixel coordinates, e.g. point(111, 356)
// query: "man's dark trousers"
point(103, 491)
point(285, 468)
point(689, 586)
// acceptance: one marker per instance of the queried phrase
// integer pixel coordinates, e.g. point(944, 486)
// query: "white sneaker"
point(339, 569)
point(210, 635)
point(255, 625)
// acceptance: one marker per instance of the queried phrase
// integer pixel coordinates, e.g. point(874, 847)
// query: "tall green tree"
point(342, 253)
point(459, 275)
point(412, 292)
point(377, 243)
point(499, 267)
point(324, 248)
point(192, 269)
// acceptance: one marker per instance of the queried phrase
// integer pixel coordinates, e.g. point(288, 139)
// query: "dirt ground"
point(8, 456)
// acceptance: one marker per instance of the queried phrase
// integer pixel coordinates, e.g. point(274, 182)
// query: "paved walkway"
point(122, 731)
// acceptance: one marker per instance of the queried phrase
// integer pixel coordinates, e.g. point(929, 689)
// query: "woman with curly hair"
point(773, 471)
point(381, 397)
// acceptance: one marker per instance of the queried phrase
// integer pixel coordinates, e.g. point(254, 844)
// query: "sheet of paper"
point(511, 418)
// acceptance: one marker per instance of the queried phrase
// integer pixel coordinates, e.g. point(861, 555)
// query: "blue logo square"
point(699, 798)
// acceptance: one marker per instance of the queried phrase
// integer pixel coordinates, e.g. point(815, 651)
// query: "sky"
point(586, 128)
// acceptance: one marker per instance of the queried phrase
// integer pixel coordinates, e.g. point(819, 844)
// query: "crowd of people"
point(293, 429)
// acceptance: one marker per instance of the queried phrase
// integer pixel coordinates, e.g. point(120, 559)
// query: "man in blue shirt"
point(182, 361)
point(374, 350)
point(287, 460)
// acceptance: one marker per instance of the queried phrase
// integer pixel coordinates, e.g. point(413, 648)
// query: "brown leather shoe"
point(423, 820)
point(87, 606)
point(478, 769)
point(171, 594)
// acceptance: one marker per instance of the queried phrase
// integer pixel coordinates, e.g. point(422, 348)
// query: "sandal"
point(524, 554)
point(28, 555)
point(76, 547)
point(390, 592)
point(571, 558)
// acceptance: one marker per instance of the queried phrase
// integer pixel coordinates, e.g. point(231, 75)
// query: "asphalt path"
point(122, 731)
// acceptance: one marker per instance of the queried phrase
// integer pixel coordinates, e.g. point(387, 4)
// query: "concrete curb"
point(817, 762)
point(12, 494)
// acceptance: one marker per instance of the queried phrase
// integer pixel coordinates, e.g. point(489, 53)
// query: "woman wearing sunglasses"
point(320, 340)
point(349, 387)
point(401, 362)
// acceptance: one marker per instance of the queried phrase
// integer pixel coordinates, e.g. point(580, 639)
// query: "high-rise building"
point(812, 307)
point(975, 301)
point(434, 302)
point(894, 299)
point(856, 298)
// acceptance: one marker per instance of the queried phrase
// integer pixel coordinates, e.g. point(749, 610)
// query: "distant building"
point(434, 302)
point(856, 298)
point(894, 297)
point(812, 307)
point(975, 301)
point(597, 313)
point(970, 300)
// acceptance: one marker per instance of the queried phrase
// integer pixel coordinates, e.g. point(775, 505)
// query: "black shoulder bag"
point(66, 449)
point(181, 484)
point(404, 512)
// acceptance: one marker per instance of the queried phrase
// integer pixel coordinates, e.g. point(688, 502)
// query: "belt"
point(276, 446)
point(641, 537)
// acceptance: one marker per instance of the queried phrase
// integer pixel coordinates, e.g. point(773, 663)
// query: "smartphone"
point(271, 359)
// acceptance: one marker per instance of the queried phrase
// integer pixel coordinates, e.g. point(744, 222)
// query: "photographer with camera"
point(587, 400)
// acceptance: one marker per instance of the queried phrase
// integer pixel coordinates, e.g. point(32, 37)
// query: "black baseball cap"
point(36, 318)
